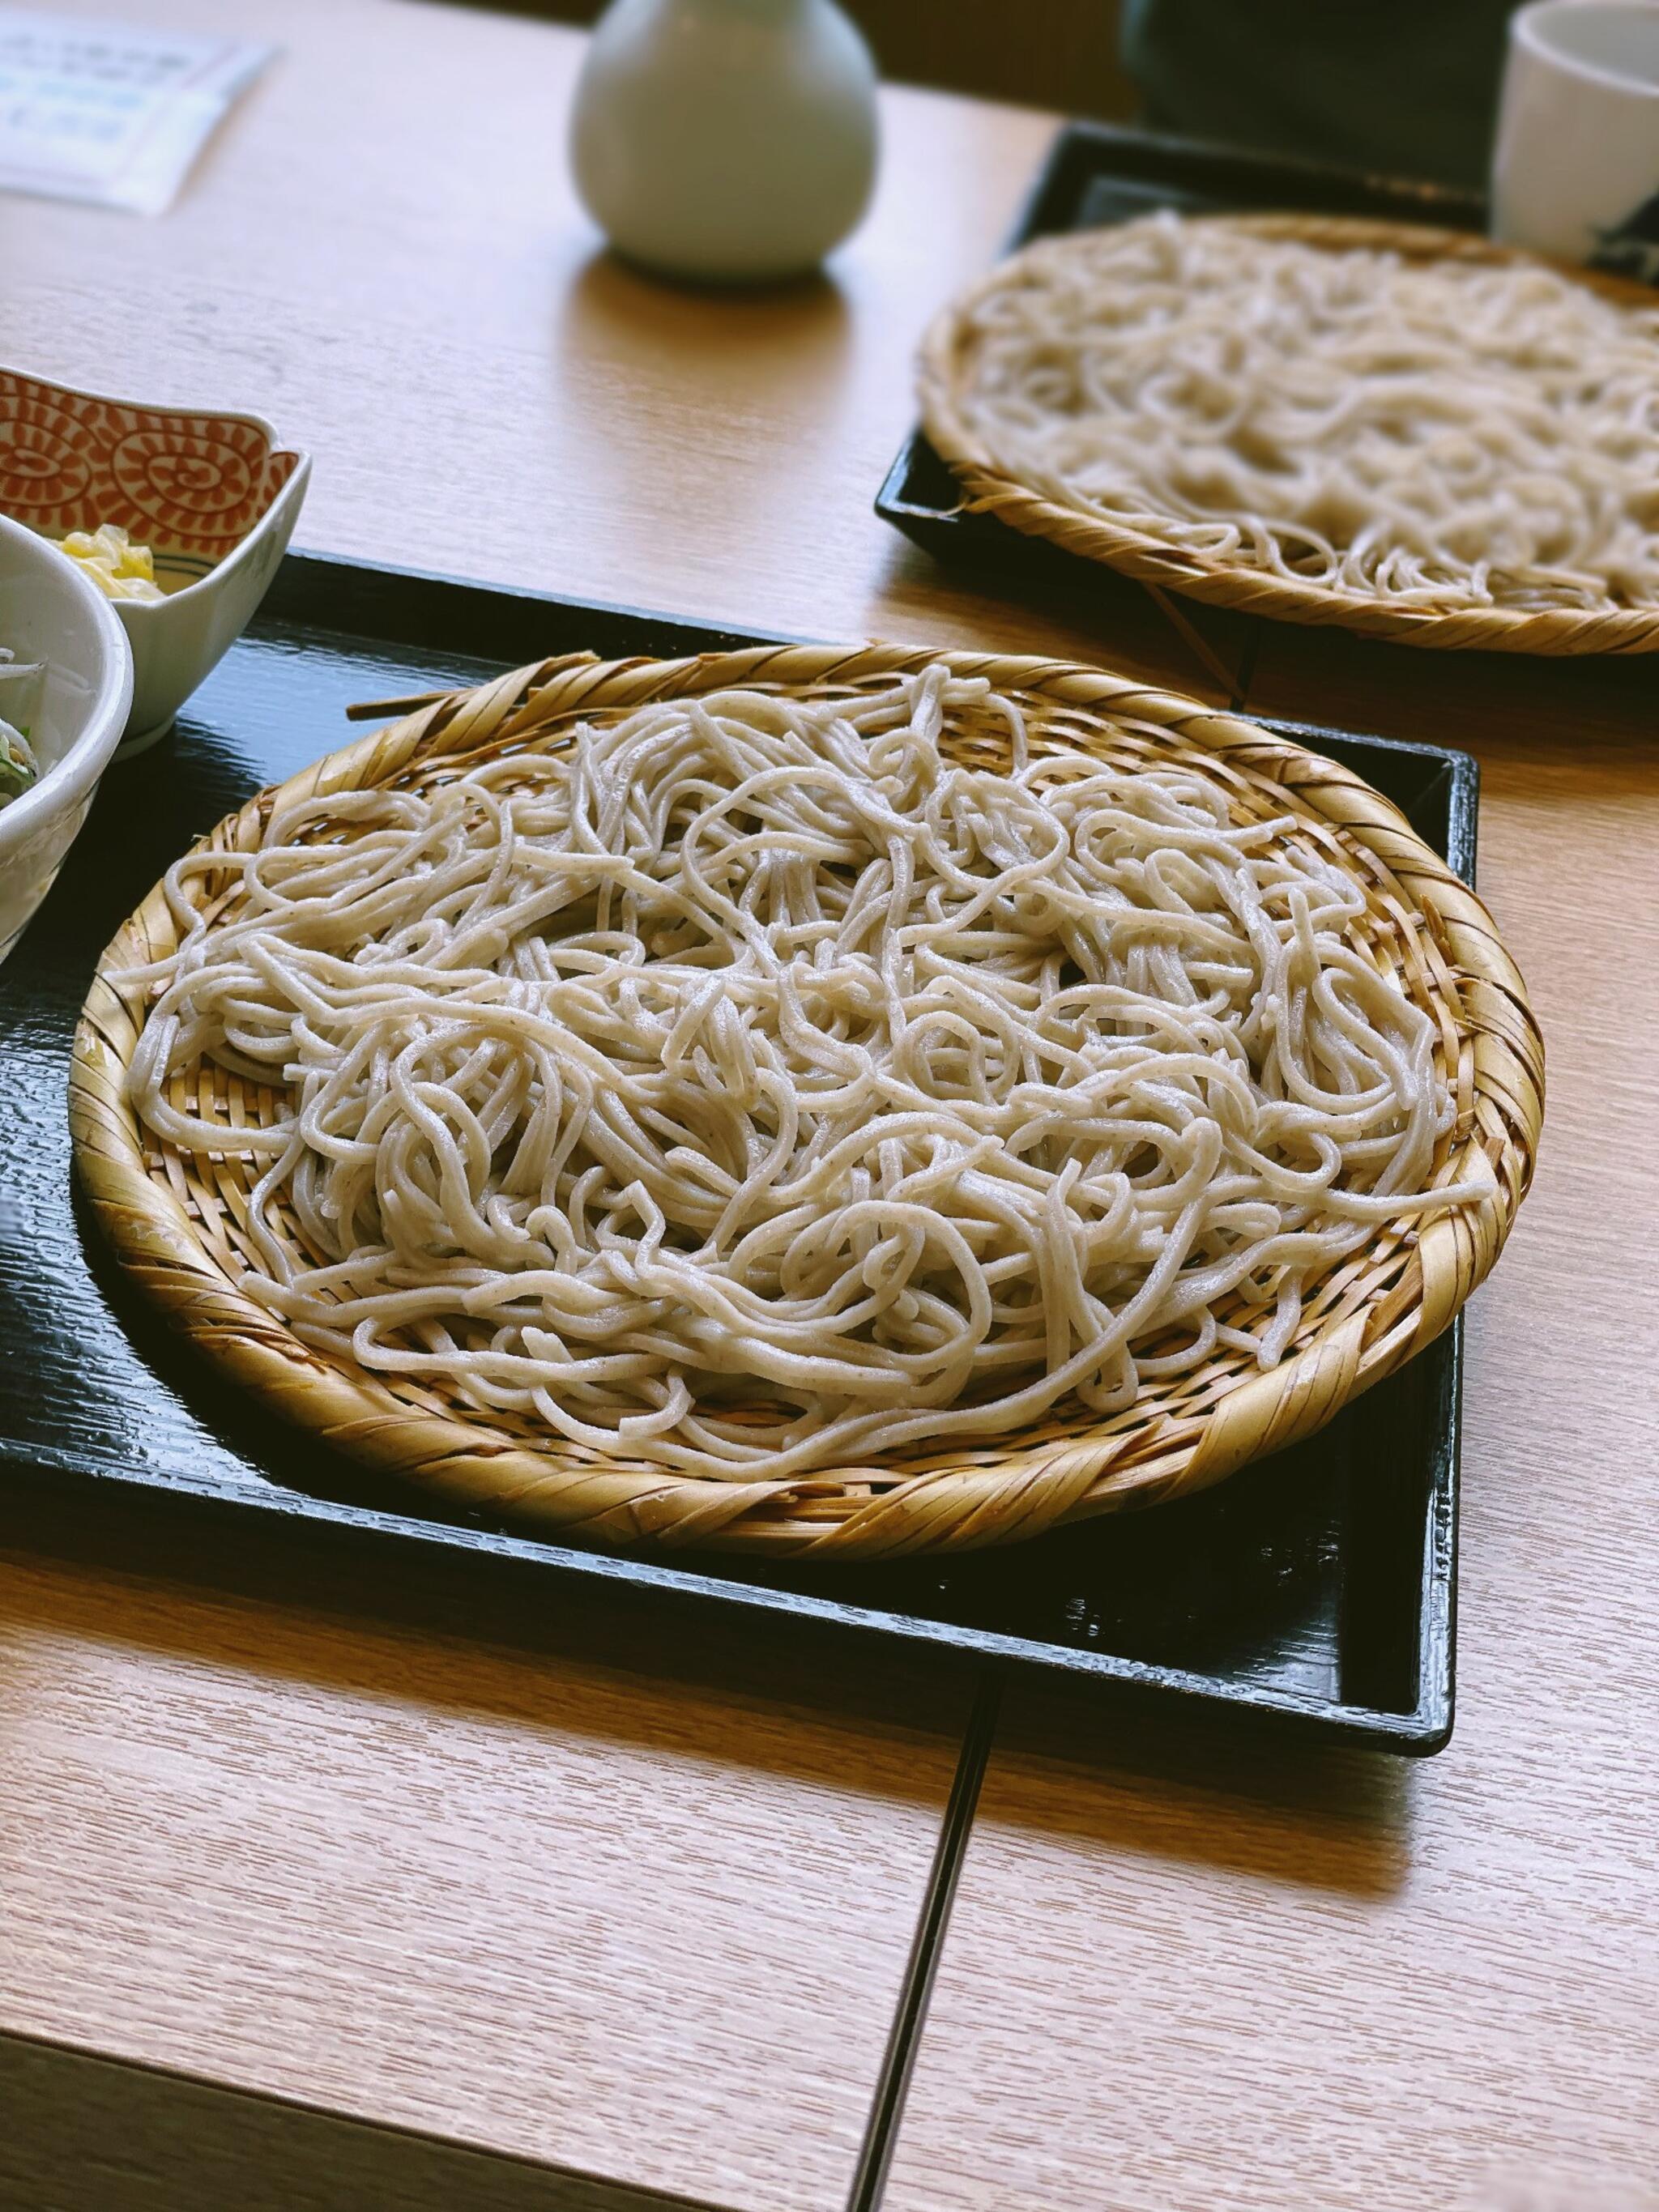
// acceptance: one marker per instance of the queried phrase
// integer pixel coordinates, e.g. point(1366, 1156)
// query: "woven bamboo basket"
point(1223, 583)
point(175, 1220)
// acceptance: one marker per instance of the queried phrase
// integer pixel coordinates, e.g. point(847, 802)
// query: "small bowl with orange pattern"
point(213, 496)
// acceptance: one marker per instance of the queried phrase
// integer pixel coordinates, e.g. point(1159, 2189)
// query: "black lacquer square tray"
point(1317, 1586)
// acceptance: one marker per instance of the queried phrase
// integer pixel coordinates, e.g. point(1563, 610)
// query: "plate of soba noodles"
point(815, 1100)
point(1387, 427)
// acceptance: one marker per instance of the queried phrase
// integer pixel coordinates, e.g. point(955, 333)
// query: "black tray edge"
point(1420, 1733)
point(303, 571)
point(1214, 166)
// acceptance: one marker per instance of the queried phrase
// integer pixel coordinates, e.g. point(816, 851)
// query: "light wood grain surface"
point(559, 1902)
point(645, 1925)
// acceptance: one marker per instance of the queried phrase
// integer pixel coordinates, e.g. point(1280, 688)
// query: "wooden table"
point(316, 1895)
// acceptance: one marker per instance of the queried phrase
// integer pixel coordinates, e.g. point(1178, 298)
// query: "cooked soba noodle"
point(1440, 435)
point(747, 1088)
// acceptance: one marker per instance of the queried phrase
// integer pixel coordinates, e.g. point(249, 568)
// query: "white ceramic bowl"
point(50, 611)
point(212, 494)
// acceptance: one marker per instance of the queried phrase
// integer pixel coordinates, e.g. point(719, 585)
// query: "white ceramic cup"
point(1576, 170)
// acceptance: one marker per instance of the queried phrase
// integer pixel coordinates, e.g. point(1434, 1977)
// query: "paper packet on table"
point(108, 112)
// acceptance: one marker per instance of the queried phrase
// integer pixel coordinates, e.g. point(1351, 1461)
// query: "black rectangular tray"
point(1316, 1586)
point(1095, 174)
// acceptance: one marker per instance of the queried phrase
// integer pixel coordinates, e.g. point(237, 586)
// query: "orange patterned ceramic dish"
point(214, 496)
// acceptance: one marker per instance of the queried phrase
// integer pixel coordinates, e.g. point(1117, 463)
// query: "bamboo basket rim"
point(171, 1221)
point(1151, 559)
